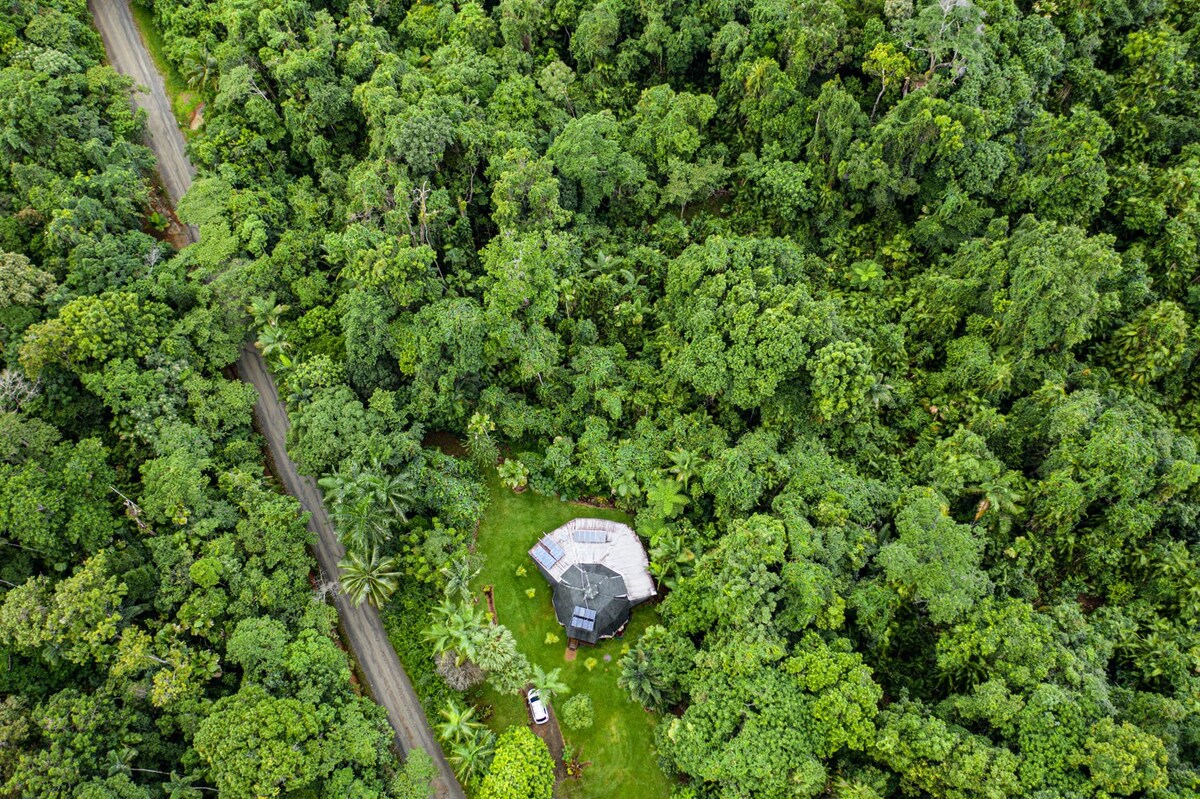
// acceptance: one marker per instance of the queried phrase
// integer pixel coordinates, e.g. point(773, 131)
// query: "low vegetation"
point(878, 320)
point(620, 742)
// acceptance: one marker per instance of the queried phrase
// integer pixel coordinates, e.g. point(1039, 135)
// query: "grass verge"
point(183, 101)
point(620, 744)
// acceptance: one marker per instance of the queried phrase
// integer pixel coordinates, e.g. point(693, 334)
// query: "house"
point(599, 571)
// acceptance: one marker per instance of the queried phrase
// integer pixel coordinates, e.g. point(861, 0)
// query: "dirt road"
point(362, 626)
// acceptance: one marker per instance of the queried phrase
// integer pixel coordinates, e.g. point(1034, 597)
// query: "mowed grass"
point(620, 745)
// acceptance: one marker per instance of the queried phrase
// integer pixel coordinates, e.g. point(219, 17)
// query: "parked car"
point(537, 707)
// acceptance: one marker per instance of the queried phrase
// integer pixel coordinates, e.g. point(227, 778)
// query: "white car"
point(537, 707)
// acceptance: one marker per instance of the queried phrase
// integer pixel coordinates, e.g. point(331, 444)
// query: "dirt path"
point(551, 733)
point(364, 631)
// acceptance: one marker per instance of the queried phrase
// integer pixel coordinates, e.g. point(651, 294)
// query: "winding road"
point(363, 629)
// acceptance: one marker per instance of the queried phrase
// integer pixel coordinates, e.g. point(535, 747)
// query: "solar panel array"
point(544, 558)
point(556, 551)
point(583, 619)
point(590, 536)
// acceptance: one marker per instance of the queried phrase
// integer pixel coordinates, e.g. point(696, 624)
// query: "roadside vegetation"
point(878, 320)
point(183, 93)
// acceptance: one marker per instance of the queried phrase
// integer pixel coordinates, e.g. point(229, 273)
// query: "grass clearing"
point(620, 744)
point(183, 100)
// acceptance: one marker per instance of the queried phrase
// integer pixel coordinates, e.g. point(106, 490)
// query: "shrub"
point(577, 712)
point(522, 768)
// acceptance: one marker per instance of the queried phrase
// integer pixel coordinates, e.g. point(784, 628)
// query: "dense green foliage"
point(881, 316)
point(522, 768)
point(157, 627)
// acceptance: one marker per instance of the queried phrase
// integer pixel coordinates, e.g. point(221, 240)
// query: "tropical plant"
point(684, 464)
point(158, 221)
point(374, 578)
point(626, 486)
point(272, 342)
point(513, 474)
point(479, 440)
point(577, 712)
point(666, 498)
point(549, 684)
point(671, 559)
point(459, 722)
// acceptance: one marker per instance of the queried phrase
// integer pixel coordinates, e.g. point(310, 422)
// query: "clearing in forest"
point(620, 743)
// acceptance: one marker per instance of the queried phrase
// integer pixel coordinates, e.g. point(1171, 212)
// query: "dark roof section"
point(591, 602)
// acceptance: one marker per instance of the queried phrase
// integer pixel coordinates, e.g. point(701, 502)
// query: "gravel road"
point(363, 629)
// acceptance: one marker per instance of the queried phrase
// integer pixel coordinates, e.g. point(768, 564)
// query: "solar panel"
point(584, 613)
point(587, 625)
point(590, 536)
point(544, 558)
point(555, 550)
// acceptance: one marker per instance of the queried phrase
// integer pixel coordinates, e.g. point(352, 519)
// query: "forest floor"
point(620, 744)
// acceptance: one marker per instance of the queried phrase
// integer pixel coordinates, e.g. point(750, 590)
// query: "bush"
point(577, 712)
point(522, 768)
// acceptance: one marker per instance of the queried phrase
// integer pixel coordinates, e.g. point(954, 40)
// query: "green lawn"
point(620, 745)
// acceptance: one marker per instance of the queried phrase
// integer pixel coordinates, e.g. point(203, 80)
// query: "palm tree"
point(272, 341)
point(460, 723)
point(457, 628)
point(548, 683)
point(265, 311)
point(360, 526)
point(390, 492)
point(639, 677)
point(471, 756)
point(178, 787)
point(387, 494)
point(1000, 495)
point(200, 69)
point(683, 465)
point(342, 486)
point(373, 579)
point(602, 264)
point(459, 575)
point(880, 392)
